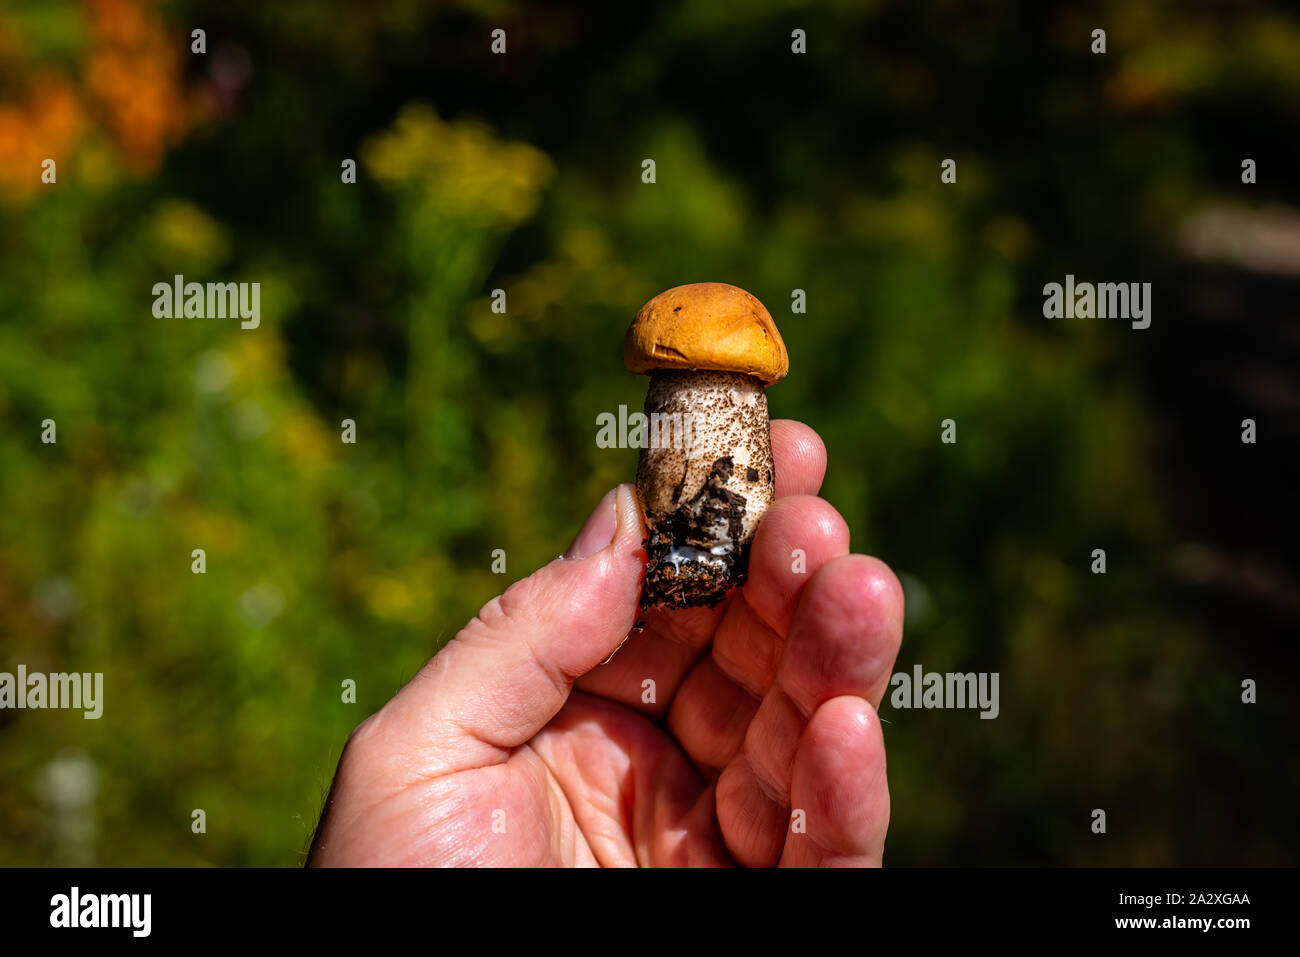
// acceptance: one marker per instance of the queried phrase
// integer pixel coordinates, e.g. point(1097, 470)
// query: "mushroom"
point(705, 475)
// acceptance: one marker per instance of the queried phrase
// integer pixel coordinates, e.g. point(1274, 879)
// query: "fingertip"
point(846, 632)
point(862, 584)
point(840, 780)
point(868, 576)
point(800, 456)
point(620, 521)
point(629, 535)
point(598, 531)
point(798, 535)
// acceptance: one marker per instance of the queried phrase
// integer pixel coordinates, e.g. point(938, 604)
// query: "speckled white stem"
point(704, 419)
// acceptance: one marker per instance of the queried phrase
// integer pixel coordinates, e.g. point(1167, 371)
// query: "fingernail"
point(598, 530)
point(630, 530)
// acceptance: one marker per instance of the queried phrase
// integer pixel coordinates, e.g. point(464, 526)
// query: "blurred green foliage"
point(475, 430)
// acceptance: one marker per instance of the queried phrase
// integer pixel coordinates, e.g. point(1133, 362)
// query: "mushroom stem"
point(705, 478)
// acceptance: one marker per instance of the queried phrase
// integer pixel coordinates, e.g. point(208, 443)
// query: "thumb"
point(509, 671)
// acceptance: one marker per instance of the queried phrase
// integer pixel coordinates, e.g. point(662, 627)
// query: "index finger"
point(800, 457)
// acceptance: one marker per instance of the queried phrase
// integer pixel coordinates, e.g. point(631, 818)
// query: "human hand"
point(516, 746)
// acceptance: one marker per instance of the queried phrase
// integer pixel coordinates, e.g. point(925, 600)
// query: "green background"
point(476, 431)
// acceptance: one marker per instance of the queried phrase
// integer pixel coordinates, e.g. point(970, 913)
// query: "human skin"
point(519, 744)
